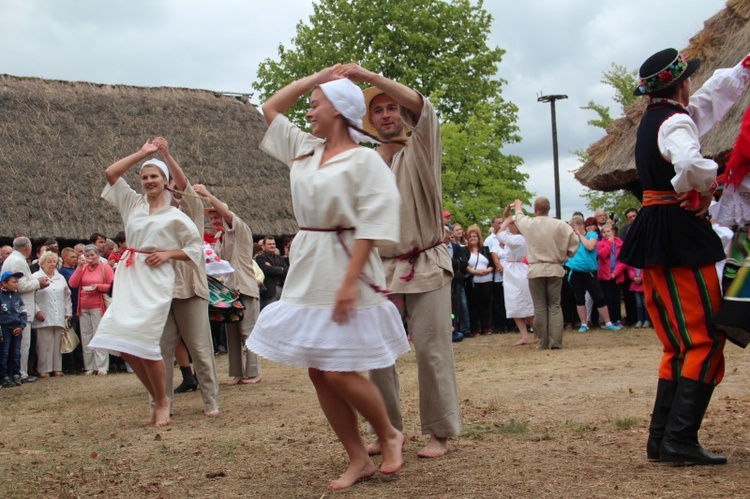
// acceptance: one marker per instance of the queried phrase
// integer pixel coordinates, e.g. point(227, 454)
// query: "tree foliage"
point(623, 81)
point(438, 47)
point(478, 180)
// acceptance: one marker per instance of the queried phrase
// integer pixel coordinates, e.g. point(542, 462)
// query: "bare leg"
point(604, 313)
point(181, 352)
point(136, 363)
point(581, 309)
point(343, 420)
point(157, 376)
point(366, 399)
point(525, 336)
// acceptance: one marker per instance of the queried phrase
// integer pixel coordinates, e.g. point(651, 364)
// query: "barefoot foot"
point(252, 381)
point(353, 474)
point(234, 381)
point(161, 414)
point(436, 447)
point(211, 414)
point(149, 421)
point(392, 455)
point(373, 449)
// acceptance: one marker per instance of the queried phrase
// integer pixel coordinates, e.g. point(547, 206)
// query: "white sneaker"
point(638, 325)
point(646, 324)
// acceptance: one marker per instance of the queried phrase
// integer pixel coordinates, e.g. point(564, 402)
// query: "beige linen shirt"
point(191, 280)
point(549, 243)
point(236, 246)
point(417, 168)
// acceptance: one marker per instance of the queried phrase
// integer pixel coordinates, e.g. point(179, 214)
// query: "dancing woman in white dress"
point(333, 317)
point(144, 281)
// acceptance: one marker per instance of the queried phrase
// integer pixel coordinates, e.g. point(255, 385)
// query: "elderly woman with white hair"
point(144, 281)
point(333, 317)
point(53, 309)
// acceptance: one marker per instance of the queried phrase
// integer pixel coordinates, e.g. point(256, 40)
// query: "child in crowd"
point(636, 287)
point(13, 320)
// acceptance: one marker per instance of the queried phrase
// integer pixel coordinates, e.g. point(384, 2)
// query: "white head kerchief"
point(163, 167)
point(159, 164)
point(347, 99)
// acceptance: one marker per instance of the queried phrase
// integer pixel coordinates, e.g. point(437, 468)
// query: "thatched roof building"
point(723, 42)
point(57, 137)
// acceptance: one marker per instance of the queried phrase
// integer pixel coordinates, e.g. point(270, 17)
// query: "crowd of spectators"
point(70, 288)
point(597, 290)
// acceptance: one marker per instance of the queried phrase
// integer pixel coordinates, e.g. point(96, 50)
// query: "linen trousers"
point(94, 359)
point(48, 343)
point(427, 316)
point(242, 361)
point(548, 318)
point(25, 345)
point(188, 319)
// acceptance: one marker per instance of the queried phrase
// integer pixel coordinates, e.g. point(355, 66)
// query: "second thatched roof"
point(57, 137)
point(723, 42)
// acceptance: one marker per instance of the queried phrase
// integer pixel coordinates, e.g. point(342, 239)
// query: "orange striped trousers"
point(681, 302)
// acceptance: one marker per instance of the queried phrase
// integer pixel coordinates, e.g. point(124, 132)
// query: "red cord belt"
point(340, 234)
point(411, 257)
point(130, 252)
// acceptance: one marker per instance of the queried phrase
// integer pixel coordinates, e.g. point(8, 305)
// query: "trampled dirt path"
point(567, 423)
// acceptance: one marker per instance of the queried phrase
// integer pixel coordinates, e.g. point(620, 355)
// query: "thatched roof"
point(57, 137)
point(723, 42)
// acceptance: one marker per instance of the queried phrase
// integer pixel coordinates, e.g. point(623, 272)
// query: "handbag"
point(224, 304)
point(69, 339)
point(105, 296)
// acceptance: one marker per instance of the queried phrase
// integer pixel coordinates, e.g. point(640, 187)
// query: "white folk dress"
point(355, 189)
point(142, 295)
point(518, 302)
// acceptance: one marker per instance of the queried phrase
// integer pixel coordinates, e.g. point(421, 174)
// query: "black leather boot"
point(188, 381)
point(665, 391)
point(680, 442)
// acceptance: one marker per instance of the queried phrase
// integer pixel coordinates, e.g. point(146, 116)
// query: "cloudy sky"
point(553, 47)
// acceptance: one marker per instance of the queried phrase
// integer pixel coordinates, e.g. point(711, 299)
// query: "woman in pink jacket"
point(94, 279)
point(611, 271)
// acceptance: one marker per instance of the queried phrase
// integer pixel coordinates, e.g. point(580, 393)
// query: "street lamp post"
point(551, 99)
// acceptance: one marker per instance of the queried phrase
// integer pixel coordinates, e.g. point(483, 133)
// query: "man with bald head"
point(549, 243)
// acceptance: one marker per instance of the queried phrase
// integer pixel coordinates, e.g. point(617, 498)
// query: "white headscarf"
point(163, 167)
point(347, 99)
point(159, 164)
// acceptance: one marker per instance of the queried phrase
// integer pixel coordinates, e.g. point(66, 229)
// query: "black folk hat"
point(663, 70)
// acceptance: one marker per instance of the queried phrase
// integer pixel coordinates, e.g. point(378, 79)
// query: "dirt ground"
point(565, 423)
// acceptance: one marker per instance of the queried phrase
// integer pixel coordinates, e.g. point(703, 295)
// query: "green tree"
point(438, 47)
point(473, 166)
point(623, 81)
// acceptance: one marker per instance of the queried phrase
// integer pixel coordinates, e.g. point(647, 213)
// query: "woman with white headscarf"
point(144, 281)
point(333, 317)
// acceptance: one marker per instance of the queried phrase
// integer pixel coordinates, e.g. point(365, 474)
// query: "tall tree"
point(623, 81)
point(438, 47)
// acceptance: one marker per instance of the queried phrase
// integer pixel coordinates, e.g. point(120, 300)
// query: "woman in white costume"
point(518, 303)
point(144, 282)
point(333, 316)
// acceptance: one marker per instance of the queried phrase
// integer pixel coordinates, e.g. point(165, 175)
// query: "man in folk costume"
point(188, 314)
point(235, 244)
point(676, 246)
point(418, 270)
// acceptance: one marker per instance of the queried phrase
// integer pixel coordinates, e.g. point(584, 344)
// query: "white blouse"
point(53, 301)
